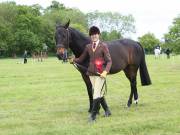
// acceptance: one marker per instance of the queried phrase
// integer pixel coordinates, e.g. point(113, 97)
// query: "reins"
point(76, 65)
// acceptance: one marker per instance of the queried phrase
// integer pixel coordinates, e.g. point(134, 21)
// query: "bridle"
point(67, 40)
point(67, 35)
point(78, 66)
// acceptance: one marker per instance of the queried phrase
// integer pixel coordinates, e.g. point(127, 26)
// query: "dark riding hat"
point(94, 30)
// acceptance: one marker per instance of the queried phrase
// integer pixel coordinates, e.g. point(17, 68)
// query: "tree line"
point(30, 27)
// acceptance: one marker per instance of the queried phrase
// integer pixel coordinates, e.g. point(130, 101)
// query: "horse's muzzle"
point(60, 52)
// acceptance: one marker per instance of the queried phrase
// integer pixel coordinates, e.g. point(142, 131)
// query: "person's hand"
point(71, 61)
point(103, 74)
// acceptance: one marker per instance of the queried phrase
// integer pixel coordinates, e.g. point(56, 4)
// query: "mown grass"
point(50, 98)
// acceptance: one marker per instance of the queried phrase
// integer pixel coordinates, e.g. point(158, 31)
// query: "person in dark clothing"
point(100, 62)
point(168, 53)
point(25, 57)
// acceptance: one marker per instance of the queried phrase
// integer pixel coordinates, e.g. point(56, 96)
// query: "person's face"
point(94, 37)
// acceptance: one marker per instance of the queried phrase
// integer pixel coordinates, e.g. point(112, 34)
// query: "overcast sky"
point(153, 16)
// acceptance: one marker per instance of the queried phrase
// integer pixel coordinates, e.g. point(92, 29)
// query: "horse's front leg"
point(89, 90)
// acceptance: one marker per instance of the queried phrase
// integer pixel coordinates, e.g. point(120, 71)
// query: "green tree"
point(109, 36)
point(8, 11)
point(27, 40)
point(172, 38)
point(28, 29)
point(149, 41)
point(109, 21)
point(20, 28)
point(7, 16)
point(58, 14)
point(55, 5)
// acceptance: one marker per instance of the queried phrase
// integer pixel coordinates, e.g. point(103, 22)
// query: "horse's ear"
point(67, 24)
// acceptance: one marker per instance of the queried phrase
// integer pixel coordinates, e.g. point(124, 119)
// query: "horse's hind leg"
point(131, 72)
point(135, 92)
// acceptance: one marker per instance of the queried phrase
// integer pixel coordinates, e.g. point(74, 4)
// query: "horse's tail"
point(144, 75)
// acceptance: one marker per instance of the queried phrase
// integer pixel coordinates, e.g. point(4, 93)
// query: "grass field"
point(50, 98)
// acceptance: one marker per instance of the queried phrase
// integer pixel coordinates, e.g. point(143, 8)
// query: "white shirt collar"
point(97, 42)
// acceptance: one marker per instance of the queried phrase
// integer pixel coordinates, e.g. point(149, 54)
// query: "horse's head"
point(62, 38)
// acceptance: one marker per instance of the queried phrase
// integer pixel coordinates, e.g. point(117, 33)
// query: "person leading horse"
point(99, 65)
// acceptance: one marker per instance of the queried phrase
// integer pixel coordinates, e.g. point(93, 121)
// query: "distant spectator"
point(168, 51)
point(25, 57)
point(45, 50)
point(157, 51)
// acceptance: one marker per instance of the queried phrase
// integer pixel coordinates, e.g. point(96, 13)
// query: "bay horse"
point(126, 55)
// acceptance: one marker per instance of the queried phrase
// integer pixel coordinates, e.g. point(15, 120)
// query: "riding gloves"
point(71, 61)
point(103, 74)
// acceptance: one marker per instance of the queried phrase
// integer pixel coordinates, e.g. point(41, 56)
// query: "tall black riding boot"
point(105, 107)
point(96, 104)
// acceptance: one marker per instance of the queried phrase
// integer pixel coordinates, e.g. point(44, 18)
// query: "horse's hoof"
point(136, 101)
point(107, 113)
point(129, 104)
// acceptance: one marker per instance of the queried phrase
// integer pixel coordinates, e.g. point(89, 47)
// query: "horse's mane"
point(78, 41)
